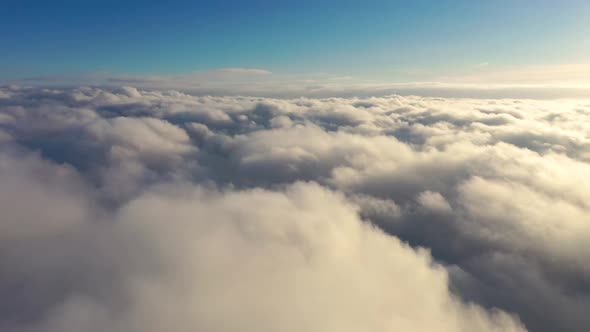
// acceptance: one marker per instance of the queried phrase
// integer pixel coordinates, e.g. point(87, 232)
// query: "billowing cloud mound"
point(127, 210)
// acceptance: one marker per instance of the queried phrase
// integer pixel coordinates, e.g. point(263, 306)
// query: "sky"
point(390, 41)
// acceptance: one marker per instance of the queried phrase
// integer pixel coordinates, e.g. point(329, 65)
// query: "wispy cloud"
point(243, 71)
point(564, 74)
point(484, 81)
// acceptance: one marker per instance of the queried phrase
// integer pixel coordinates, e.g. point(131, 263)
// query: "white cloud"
point(245, 71)
point(540, 74)
point(129, 209)
point(434, 201)
point(483, 80)
point(190, 258)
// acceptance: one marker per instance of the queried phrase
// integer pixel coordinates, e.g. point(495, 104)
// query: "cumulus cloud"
point(433, 201)
point(127, 209)
point(189, 258)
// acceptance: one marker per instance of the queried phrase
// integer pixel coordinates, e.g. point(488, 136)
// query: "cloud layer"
point(484, 81)
point(129, 210)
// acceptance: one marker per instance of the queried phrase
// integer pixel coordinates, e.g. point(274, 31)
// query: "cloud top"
point(129, 209)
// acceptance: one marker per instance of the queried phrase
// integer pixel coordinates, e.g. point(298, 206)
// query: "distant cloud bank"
point(483, 80)
point(132, 209)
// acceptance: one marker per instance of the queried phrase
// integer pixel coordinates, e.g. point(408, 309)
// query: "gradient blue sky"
point(387, 40)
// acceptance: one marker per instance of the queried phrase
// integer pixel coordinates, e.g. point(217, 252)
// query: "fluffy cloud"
point(191, 258)
point(130, 210)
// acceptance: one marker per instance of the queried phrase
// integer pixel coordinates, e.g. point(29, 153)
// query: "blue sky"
point(386, 40)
